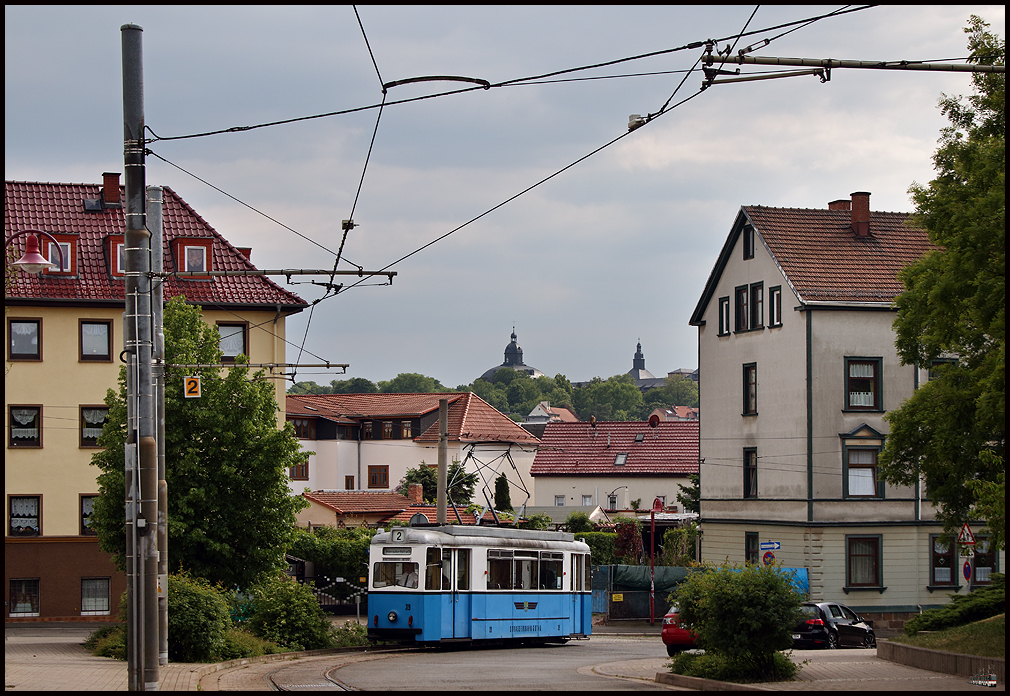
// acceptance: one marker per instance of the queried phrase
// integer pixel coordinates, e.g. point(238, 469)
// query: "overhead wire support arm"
point(288, 272)
point(828, 64)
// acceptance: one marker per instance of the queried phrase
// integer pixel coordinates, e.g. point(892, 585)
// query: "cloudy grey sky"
point(614, 250)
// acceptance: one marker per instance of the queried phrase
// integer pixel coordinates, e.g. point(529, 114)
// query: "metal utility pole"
point(155, 202)
point(142, 449)
point(443, 466)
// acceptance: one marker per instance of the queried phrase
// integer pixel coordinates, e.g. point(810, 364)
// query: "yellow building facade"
point(63, 331)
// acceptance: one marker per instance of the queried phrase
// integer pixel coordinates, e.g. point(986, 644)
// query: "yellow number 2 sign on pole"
point(191, 387)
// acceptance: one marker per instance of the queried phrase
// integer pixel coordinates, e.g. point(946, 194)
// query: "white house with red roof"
point(799, 369)
point(63, 331)
point(612, 463)
point(367, 442)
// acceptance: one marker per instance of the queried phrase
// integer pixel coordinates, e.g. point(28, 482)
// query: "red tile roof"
point(579, 449)
point(392, 506)
point(471, 419)
point(59, 208)
point(360, 502)
point(825, 261)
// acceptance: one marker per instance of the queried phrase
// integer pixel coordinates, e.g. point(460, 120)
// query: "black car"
point(830, 625)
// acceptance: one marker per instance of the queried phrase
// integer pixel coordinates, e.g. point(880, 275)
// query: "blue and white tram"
point(457, 583)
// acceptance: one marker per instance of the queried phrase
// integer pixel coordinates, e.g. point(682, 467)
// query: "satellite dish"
point(418, 518)
point(653, 421)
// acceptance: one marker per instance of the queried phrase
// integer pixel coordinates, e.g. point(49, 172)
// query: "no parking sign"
point(768, 558)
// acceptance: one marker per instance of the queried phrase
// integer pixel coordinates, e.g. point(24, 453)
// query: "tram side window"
point(463, 569)
point(525, 577)
point(551, 570)
point(390, 573)
point(499, 569)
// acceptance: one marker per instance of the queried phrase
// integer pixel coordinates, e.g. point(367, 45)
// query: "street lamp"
point(32, 261)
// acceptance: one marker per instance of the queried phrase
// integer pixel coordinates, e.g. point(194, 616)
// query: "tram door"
point(578, 582)
point(461, 617)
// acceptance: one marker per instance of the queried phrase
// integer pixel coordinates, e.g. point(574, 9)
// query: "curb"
point(700, 684)
point(941, 661)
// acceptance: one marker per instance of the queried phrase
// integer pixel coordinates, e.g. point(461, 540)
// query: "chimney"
point(246, 252)
point(110, 190)
point(861, 213)
point(840, 204)
point(415, 491)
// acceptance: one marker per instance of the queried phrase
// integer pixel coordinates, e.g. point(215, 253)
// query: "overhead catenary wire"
point(515, 81)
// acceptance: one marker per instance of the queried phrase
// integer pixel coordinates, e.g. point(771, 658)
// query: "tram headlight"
point(391, 616)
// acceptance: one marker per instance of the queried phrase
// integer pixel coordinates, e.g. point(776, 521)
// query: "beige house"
point(63, 334)
point(612, 464)
point(367, 442)
point(797, 352)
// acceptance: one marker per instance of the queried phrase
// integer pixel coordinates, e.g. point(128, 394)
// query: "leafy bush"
point(963, 609)
point(724, 668)
point(743, 614)
point(239, 643)
point(538, 521)
point(287, 613)
point(335, 553)
point(602, 547)
point(629, 547)
point(108, 641)
point(198, 619)
point(578, 522)
point(679, 546)
point(350, 635)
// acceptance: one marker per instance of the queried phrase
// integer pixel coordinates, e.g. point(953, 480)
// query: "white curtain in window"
point(24, 328)
point(24, 417)
point(232, 340)
point(24, 338)
point(861, 370)
point(95, 339)
point(862, 472)
point(24, 507)
point(94, 419)
point(94, 596)
point(863, 562)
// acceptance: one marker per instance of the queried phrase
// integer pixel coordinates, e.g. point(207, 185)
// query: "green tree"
point(746, 614)
point(355, 385)
point(336, 553)
point(230, 512)
point(629, 548)
point(690, 496)
point(617, 399)
point(502, 495)
point(578, 522)
point(677, 391)
point(308, 388)
point(679, 545)
point(411, 383)
point(951, 431)
point(459, 484)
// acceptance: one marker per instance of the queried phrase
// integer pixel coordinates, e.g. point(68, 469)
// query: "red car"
point(675, 637)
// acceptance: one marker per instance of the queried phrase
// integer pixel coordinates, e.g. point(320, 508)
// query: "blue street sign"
point(771, 545)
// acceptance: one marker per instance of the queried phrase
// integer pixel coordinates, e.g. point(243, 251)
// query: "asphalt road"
point(547, 668)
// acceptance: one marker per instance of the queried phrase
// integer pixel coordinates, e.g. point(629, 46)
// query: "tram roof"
point(454, 535)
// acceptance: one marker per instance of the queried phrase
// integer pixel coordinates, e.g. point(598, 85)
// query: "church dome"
point(514, 360)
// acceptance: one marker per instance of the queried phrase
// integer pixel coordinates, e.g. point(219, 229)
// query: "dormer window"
point(115, 252)
point(194, 258)
point(192, 255)
point(67, 244)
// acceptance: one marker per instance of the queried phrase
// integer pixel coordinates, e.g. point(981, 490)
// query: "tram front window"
point(394, 573)
point(433, 569)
